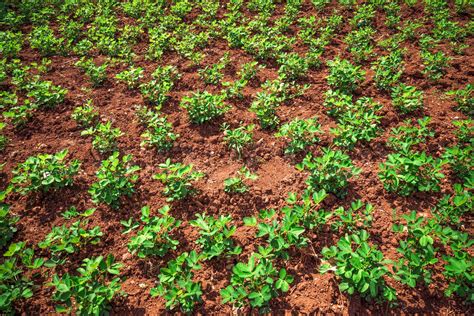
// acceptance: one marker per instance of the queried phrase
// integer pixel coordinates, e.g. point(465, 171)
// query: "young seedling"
point(239, 138)
point(154, 238)
point(177, 179)
point(237, 184)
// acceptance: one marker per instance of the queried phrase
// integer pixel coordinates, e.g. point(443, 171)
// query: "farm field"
point(246, 157)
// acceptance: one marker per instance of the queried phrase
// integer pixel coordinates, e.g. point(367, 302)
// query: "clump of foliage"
point(255, 282)
point(330, 172)
point(63, 240)
point(7, 225)
point(177, 179)
point(408, 172)
point(388, 70)
point(215, 236)
point(464, 99)
point(115, 178)
point(353, 218)
point(97, 74)
point(451, 208)
point(343, 75)
point(404, 137)
point(435, 64)
point(10, 43)
point(238, 138)
point(264, 106)
point(213, 74)
point(105, 137)
point(159, 132)
point(156, 90)
point(91, 290)
point(131, 77)
point(417, 249)
point(359, 123)
point(359, 43)
point(3, 138)
point(42, 38)
point(407, 99)
point(176, 283)
point(337, 102)
point(154, 238)
point(14, 281)
point(85, 115)
point(300, 133)
point(292, 66)
point(237, 183)
point(360, 267)
point(45, 172)
point(203, 107)
point(45, 94)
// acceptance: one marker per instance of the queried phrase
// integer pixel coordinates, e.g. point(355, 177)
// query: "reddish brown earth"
point(311, 292)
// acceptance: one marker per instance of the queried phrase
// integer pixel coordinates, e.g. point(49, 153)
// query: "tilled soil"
point(311, 292)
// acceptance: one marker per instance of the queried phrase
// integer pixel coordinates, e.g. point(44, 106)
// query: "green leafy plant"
point(359, 43)
point(85, 115)
point(264, 106)
point(159, 133)
point(154, 238)
point(176, 283)
point(15, 283)
point(131, 77)
point(3, 138)
point(459, 269)
point(10, 43)
point(330, 172)
point(464, 99)
point(388, 70)
point(363, 16)
point(353, 218)
point(307, 209)
point(97, 74)
point(215, 236)
point(300, 133)
point(45, 94)
point(407, 99)
point(42, 38)
point(292, 66)
point(407, 172)
point(45, 172)
point(282, 234)
point(213, 74)
point(115, 178)
point(465, 131)
point(435, 64)
point(63, 241)
point(238, 138)
point(156, 90)
point(255, 282)
point(451, 208)
point(203, 107)
point(91, 290)
point(343, 75)
point(20, 115)
point(404, 137)
point(7, 225)
point(417, 249)
point(237, 184)
point(177, 179)
point(359, 266)
point(104, 137)
point(359, 123)
point(337, 102)
point(460, 158)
